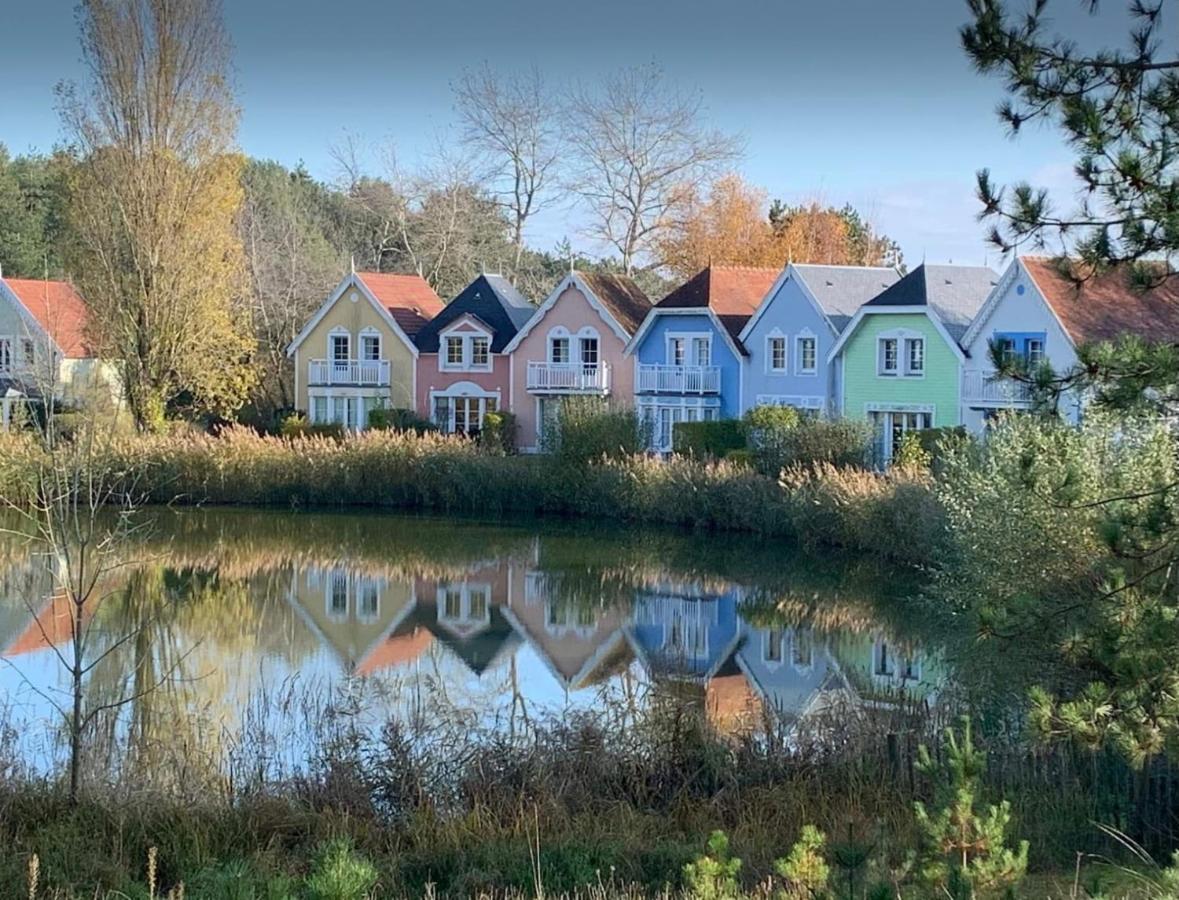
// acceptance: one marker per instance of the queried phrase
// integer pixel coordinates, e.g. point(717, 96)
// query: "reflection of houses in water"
point(886, 672)
point(681, 631)
point(580, 641)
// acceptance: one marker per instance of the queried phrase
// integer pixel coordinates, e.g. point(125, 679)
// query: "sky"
point(871, 102)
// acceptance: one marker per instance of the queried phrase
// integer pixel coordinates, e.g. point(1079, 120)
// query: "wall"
point(572, 310)
point(653, 351)
point(353, 312)
point(790, 313)
point(939, 387)
point(1016, 313)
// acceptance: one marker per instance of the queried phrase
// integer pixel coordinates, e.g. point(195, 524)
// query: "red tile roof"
point(1107, 305)
point(409, 298)
point(58, 309)
point(395, 650)
point(50, 626)
point(732, 292)
point(625, 299)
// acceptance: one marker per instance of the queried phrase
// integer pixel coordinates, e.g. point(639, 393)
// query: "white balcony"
point(351, 372)
point(568, 378)
point(677, 379)
point(984, 389)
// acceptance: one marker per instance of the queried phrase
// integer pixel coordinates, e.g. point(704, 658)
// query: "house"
point(462, 371)
point(683, 631)
point(1039, 313)
point(794, 328)
point(899, 362)
point(357, 354)
point(44, 350)
point(688, 357)
point(573, 346)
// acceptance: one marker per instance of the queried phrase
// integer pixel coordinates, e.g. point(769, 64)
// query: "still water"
point(224, 616)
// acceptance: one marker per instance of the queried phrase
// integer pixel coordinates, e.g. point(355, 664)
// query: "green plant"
point(390, 419)
point(839, 442)
point(804, 868)
point(770, 416)
point(911, 454)
point(713, 875)
point(294, 425)
point(339, 873)
point(498, 434)
point(589, 429)
point(965, 850)
point(709, 440)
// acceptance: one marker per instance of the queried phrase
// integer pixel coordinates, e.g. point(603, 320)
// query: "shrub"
point(499, 432)
point(839, 442)
point(340, 874)
point(382, 419)
point(713, 876)
point(911, 454)
point(293, 426)
point(805, 870)
point(771, 416)
point(589, 428)
point(709, 440)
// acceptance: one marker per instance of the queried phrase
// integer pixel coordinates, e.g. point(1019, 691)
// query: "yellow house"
point(357, 352)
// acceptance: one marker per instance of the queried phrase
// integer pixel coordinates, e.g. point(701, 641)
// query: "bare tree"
point(511, 122)
point(641, 151)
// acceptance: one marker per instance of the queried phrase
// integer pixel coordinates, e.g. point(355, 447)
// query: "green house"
point(898, 363)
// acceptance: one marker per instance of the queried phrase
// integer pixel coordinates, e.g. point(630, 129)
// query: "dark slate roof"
point(493, 301)
point(955, 293)
point(625, 299)
point(842, 290)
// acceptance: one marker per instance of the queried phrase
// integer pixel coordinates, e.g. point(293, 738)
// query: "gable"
point(1019, 308)
point(352, 306)
point(788, 309)
point(571, 305)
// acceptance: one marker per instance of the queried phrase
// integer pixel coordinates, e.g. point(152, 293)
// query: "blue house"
point(681, 631)
point(689, 360)
point(787, 339)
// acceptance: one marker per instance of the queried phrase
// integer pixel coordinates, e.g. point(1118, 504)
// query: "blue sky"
point(864, 101)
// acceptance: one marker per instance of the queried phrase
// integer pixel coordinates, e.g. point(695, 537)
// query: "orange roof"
point(409, 298)
point(395, 651)
point(52, 625)
point(732, 292)
point(1108, 304)
point(58, 309)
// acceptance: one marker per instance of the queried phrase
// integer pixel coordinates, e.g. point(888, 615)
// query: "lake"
point(227, 621)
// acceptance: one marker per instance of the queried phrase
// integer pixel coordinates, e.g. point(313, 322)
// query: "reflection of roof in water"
point(480, 650)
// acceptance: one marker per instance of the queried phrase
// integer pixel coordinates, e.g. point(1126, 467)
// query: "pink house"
point(574, 346)
point(462, 371)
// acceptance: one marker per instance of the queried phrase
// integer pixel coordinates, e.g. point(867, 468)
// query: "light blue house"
point(788, 338)
point(689, 361)
point(681, 631)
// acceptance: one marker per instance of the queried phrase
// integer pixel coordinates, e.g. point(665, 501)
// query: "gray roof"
point(492, 300)
point(955, 293)
point(842, 290)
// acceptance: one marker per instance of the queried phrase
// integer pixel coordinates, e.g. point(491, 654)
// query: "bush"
point(293, 426)
point(838, 442)
point(340, 874)
point(771, 416)
point(498, 434)
point(382, 419)
point(709, 440)
point(589, 429)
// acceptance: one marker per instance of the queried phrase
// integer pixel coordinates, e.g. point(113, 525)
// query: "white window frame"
point(7, 350)
point(688, 341)
point(560, 333)
point(472, 363)
point(801, 369)
point(588, 333)
point(450, 341)
point(339, 332)
point(882, 367)
point(776, 337)
point(909, 344)
point(773, 638)
point(1040, 353)
point(464, 590)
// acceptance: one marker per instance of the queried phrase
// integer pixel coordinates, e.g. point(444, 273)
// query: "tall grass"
point(890, 515)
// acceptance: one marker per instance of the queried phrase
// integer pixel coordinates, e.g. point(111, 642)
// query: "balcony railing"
point(984, 388)
point(568, 378)
point(362, 372)
point(677, 379)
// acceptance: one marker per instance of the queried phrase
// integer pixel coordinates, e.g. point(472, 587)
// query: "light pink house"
point(573, 346)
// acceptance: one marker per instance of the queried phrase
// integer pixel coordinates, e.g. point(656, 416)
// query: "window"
point(453, 603)
point(915, 356)
point(478, 603)
point(1006, 349)
point(701, 351)
point(888, 356)
point(772, 648)
point(368, 606)
point(454, 351)
point(338, 599)
point(675, 352)
point(442, 412)
point(370, 347)
point(5, 354)
point(340, 349)
point(589, 351)
point(559, 350)
point(480, 351)
point(1035, 351)
point(319, 410)
point(776, 351)
point(802, 650)
point(884, 664)
point(807, 355)
point(30, 352)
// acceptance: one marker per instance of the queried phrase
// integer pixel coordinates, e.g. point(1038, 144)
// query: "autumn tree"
point(1117, 109)
point(511, 122)
point(641, 151)
point(32, 205)
point(154, 202)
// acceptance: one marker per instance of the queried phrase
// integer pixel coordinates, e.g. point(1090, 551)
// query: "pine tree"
point(965, 849)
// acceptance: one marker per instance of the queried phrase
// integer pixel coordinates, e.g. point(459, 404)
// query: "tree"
point(640, 151)
point(512, 123)
point(292, 263)
point(32, 200)
point(154, 202)
point(1118, 112)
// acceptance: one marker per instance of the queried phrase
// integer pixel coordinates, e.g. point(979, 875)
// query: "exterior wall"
point(573, 311)
point(793, 681)
point(652, 350)
point(353, 312)
point(789, 313)
point(1020, 310)
point(17, 328)
point(86, 381)
point(684, 635)
point(431, 380)
point(939, 387)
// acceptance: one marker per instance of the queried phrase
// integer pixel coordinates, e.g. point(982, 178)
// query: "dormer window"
point(454, 351)
point(480, 352)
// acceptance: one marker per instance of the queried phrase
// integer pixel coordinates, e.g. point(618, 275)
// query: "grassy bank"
point(894, 515)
